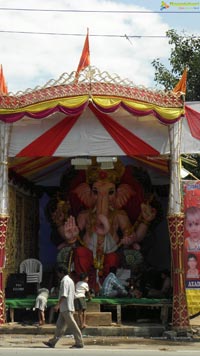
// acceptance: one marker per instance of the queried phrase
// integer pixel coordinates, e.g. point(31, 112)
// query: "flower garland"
point(99, 262)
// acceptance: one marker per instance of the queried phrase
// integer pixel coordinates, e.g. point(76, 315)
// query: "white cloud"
point(30, 60)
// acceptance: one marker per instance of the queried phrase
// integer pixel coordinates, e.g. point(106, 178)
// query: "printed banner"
point(191, 201)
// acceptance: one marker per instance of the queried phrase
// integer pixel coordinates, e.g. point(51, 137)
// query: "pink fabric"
point(9, 118)
point(149, 112)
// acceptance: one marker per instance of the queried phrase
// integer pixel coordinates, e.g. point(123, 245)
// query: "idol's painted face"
point(102, 189)
point(193, 226)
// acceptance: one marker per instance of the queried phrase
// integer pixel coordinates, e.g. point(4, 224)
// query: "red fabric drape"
point(193, 119)
point(46, 144)
point(129, 143)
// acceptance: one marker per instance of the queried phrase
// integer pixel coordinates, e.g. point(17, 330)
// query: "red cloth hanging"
point(193, 119)
point(46, 144)
point(129, 143)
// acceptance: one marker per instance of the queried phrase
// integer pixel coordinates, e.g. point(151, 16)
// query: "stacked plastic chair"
point(33, 270)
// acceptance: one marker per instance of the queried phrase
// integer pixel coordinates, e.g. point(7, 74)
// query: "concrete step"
point(93, 307)
point(135, 330)
point(195, 321)
point(97, 318)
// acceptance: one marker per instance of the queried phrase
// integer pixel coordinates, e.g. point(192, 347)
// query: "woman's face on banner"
point(193, 226)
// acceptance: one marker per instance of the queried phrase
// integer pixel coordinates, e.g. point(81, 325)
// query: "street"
point(29, 345)
point(100, 351)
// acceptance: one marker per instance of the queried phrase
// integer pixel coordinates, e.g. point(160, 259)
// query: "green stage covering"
point(29, 302)
point(121, 301)
point(23, 303)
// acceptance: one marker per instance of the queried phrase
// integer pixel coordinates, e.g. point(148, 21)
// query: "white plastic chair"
point(33, 269)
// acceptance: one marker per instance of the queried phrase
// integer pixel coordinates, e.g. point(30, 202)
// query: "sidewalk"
point(19, 334)
point(115, 330)
point(34, 341)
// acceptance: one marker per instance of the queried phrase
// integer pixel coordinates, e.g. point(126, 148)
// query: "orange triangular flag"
point(181, 85)
point(85, 56)
point(3, 86)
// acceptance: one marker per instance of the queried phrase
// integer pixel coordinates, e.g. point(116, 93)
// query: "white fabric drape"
point(175, 183)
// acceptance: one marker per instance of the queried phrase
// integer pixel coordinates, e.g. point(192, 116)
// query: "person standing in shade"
point(41, 304)
point(81, 292)
point(65, 306)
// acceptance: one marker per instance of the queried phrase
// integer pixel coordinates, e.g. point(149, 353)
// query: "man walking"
point(66, 310)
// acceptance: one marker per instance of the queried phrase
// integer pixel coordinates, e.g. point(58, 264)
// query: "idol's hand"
point(148, 212)
point(71, 230)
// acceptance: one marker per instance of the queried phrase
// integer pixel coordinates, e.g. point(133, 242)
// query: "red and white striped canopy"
point(96, 118)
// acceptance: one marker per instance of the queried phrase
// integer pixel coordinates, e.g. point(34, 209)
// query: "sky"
point(32, 59)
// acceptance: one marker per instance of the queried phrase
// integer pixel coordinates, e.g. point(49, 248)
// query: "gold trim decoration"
point(180, 316)
point(2, 308)
point(95, 173)
point(91, 82)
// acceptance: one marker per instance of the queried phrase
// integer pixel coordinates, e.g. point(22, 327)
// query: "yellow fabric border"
point(70, 102)
point(166, 113)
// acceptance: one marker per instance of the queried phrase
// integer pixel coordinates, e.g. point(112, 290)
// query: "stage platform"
point(102, 311)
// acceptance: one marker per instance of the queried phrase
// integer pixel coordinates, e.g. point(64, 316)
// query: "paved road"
point(97, 351)
point(100, 346)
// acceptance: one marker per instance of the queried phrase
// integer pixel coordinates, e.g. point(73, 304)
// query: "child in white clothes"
point(81, 291)
point(41, 304)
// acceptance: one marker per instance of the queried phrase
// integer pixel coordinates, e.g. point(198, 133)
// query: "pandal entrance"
point(95, 117)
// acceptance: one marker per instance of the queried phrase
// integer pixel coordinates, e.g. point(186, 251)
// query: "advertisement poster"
point(191, 207)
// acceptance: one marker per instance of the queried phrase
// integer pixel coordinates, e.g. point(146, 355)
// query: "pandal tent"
point(99, 115)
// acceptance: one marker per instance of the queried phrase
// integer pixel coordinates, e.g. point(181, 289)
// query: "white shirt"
point(81, 288)
point(67, 290)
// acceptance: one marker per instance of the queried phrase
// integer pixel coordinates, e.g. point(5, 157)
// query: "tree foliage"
point(185, 52)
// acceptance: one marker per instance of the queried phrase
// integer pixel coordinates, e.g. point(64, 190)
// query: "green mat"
point(29, 302)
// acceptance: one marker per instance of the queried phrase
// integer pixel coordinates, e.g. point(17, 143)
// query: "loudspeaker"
point(16, 286)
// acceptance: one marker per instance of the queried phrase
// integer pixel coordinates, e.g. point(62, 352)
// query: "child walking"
point(81, 291)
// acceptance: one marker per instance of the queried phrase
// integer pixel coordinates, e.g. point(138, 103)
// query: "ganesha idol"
point(103, 229)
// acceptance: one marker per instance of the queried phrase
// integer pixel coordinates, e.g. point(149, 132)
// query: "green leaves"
point(185, 52)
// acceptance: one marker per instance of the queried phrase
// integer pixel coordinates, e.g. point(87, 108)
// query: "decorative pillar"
point(4, 137)
point(180, 317)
